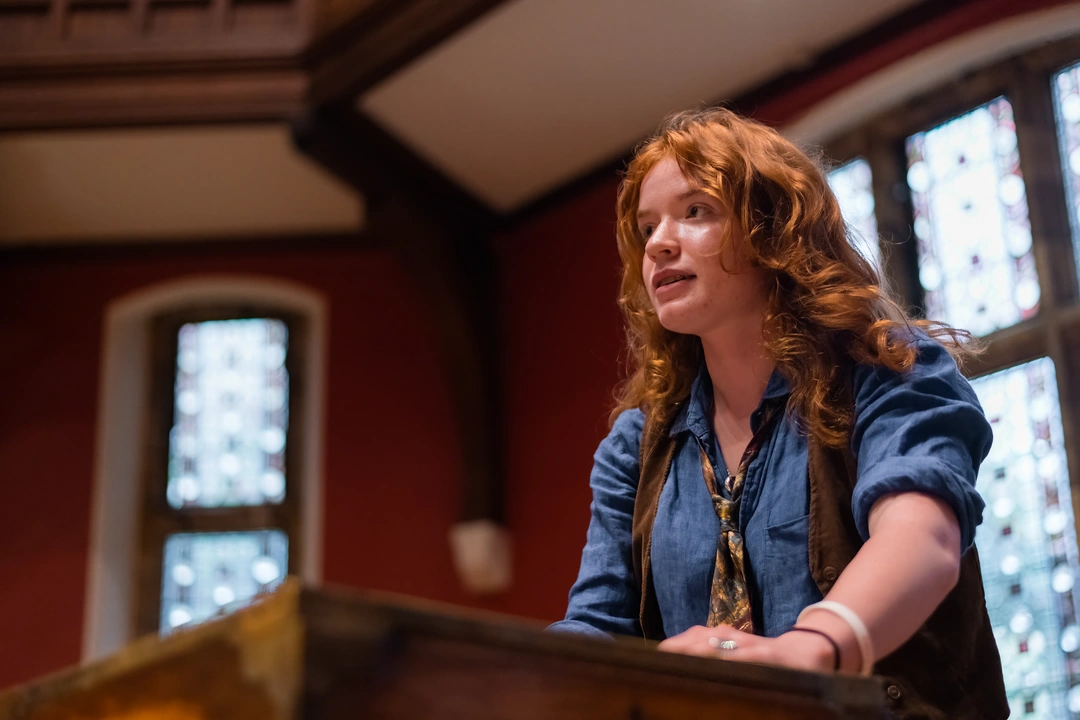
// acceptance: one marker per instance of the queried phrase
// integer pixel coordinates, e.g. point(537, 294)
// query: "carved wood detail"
point(87, 63)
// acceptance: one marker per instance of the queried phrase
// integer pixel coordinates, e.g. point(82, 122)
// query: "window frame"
point(1054, 331)
point(1027, 80)
point(157, 519)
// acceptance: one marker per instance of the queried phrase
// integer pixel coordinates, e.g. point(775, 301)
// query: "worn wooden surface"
point(325, 656)
point(246, 667)
point(378, 660)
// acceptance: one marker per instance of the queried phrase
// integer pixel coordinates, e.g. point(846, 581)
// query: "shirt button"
point(830, 573)
point(894, 692)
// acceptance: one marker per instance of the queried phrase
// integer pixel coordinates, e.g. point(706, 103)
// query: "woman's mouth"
point(672, 285)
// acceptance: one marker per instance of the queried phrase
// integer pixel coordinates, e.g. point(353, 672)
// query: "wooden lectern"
point(305, 654)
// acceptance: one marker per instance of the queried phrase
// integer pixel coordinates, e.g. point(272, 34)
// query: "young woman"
point(790, 473)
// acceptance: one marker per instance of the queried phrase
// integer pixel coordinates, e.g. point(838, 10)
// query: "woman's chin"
point(678, 322)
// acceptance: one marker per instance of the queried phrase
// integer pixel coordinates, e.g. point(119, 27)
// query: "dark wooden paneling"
point(441, 237)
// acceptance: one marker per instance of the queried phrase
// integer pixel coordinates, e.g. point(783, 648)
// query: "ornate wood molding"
point(87, 63)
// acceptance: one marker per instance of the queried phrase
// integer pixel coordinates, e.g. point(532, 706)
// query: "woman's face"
point(684, 247)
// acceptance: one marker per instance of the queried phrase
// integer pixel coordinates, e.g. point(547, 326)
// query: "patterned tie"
point(729, 603)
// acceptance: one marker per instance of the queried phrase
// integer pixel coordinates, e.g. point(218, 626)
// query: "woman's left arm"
point(894, 583)
point(898, 577)
point(919, 438)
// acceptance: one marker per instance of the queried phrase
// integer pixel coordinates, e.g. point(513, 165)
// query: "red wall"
point(562, 336)
point(386, 516)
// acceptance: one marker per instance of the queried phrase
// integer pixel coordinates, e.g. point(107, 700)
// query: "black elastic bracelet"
point(835, 647)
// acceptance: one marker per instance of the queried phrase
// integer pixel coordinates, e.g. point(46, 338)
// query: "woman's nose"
point(663, 240)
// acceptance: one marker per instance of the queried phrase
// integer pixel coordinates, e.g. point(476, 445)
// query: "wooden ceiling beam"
point(366, 156)
point(381, 40)
point(164, 99)
point(440, 234)
point(441, 237)
point(83, 63)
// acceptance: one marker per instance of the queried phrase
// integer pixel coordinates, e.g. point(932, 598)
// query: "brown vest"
point(950, 668)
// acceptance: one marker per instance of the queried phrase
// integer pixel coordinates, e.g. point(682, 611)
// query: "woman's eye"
point(694, 211)
point(646, 231)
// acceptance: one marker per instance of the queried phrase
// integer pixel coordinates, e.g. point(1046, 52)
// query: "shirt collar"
point(695, 414)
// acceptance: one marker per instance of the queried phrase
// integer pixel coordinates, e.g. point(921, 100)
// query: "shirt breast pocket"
point(788, 583)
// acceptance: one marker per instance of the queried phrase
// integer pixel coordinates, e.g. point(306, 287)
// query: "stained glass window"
point(1027, 542)
point(851, 183)
point(211, 574)
point(1067, 105)
point(227, 444)
point(971, 221)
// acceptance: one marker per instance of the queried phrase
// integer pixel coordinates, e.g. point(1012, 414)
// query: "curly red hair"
point(826, 307)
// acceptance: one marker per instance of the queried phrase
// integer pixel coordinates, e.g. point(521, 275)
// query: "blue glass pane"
point(208, 575)
point(1067, 105)
point(852, 184)
point(1027, 541)
point(971, 221)
point(227, 444)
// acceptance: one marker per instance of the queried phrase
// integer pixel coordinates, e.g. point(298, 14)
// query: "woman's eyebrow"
point(687, 194)
point(684, 195)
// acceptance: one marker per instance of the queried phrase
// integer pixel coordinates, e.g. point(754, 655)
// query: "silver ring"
point(723, 644)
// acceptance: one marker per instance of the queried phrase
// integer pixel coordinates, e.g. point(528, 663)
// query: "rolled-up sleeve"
point(919, 431)
point(604, 600)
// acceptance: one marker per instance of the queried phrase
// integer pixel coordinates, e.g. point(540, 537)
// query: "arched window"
point(975, 188)
point(220, 502)
point(208, 481)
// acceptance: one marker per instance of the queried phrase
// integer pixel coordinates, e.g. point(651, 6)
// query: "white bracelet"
point(862, 637)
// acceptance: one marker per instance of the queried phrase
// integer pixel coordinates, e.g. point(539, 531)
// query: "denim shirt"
point(918, 431)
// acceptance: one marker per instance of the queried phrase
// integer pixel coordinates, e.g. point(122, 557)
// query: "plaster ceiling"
point(166, 183)
point(538, 92)
point(524, 100)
